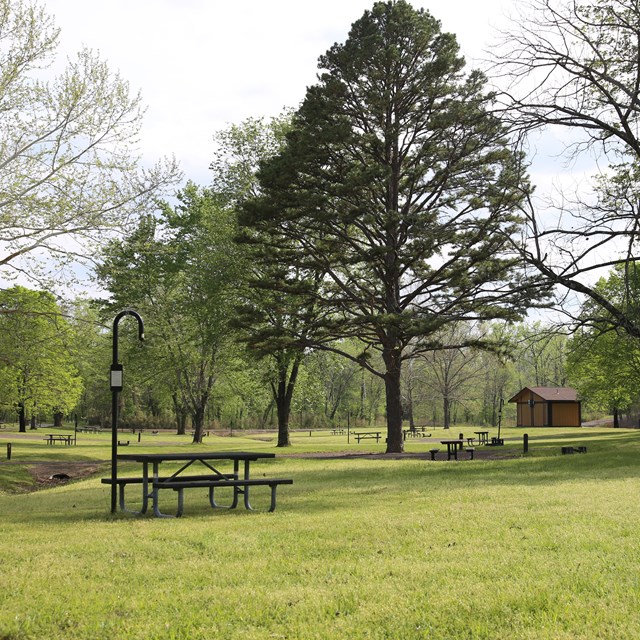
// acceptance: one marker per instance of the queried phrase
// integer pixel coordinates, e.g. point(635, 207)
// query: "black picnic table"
point(52, 438)
point(363, 435)
point(453, 446)
point(212, 478)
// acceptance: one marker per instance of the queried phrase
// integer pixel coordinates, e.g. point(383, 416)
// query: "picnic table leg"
point(145, 488)
point(273, 497)
point(236, 491)
point(155, 495)
point(247, 505)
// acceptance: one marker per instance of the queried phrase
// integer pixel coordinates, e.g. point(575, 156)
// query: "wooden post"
point(8, 451)
point(525, 439)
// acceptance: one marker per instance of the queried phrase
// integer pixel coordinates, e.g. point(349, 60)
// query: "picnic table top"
point(194, 455)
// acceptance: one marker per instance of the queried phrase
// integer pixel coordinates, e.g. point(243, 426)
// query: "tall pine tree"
point(399, 185)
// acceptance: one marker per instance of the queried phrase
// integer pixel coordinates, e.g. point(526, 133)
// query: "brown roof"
point(558, 394)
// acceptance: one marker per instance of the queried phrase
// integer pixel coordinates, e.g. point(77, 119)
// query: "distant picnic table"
point(364, 435)
point(52, 438)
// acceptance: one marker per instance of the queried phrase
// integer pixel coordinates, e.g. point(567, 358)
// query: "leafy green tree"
point(37, 374)
point(91, 352)
point(266, 321)
point(69, 171)
point(399, 187)
point(605, 368)
point(181, 275)
point(603, 363)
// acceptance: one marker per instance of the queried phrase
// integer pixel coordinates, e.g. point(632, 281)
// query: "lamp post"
point(115, 382)
point(532, 403)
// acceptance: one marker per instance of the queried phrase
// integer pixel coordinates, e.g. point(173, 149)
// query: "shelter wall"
point(565, 415)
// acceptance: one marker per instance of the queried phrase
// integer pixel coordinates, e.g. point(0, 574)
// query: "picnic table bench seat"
point(179, 485)
point(211, 482)
point(122, 482)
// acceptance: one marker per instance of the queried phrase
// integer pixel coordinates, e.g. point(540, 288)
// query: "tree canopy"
point(37, 372)
point(69, 169)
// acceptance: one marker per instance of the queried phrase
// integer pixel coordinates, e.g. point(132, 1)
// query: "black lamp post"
point(115, 381)
point(532, 404)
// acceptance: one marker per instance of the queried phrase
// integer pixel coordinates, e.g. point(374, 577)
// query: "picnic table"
point(453, 446)
point(363, 435)
point(337, 432)
point(483, 436)
point(52, 438)
point(416, 432)
point(212, 479)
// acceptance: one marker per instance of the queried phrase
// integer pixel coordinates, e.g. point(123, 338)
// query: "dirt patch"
point(51, 474)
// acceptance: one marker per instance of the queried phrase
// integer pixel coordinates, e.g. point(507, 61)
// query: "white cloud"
point(203, 64)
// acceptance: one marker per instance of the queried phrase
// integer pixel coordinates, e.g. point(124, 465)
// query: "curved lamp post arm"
point(116, 321)
point(116, 379)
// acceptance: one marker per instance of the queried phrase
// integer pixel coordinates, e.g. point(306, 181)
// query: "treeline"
point(56, 362)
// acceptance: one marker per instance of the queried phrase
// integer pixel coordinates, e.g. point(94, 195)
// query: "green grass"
point(541, 546)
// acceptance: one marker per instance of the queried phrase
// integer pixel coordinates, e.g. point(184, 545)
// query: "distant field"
point(507, 546)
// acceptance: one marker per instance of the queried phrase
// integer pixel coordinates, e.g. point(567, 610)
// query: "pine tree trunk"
point(395, 441)
point(284, 409)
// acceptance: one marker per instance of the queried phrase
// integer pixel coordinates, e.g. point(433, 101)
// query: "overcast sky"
point(204, 64)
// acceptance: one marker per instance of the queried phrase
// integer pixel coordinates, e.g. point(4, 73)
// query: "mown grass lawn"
point(537, 546)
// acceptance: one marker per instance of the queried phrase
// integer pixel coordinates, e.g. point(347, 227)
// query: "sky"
point(202, 65)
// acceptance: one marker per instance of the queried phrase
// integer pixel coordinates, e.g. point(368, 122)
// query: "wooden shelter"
point(548, 407)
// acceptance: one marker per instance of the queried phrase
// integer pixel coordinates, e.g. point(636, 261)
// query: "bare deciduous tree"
point(574, 65)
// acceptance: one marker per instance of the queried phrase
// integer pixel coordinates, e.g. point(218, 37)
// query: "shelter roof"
point(557, 394)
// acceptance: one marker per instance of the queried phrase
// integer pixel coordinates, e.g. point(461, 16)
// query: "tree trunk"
point(33, 421)
point(616, 418)
point(197, 417)
point(395, 441)
point(283, 394)
point(284, 409)
point(446, 406)
point(180, 415)
point(363, 396)
point(22, 421)
point(57, 419)
point(412, 424)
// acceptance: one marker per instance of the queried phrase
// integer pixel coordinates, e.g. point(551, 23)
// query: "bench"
point(123, 482)
point(364, 435)
point(569, 450)
point(433, 453)
point(239, 486)
point(123, 443)
point(470, 451)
